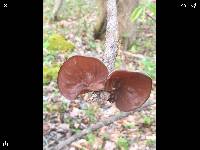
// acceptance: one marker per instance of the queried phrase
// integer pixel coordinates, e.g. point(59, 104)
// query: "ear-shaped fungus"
point(80, 74)
point(129, 90)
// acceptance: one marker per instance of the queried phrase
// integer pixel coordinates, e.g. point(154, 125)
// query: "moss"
point(49, 73)
point(58, 42)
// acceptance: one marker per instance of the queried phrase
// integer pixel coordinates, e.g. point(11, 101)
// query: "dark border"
point(177, 60)
point(21, 74)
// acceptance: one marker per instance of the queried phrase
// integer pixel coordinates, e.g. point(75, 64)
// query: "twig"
point(100, 124)
point(151, 17)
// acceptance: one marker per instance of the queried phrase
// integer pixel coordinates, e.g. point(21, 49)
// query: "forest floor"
point(63, 118)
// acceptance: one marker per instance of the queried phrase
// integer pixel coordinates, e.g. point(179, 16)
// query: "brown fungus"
point(80, 74)
point(129, 90)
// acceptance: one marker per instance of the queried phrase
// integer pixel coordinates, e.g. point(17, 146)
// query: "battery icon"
point(5, 144)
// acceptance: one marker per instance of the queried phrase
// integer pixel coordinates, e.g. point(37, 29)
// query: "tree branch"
point(100, 124)
point(111, 45)
point(111, 36)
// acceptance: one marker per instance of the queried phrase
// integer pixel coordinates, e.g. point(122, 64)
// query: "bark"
point(111, 36)
point(111, 45)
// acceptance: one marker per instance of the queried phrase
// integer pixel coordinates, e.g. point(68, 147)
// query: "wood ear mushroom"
point(129, 90)
point(80, 74)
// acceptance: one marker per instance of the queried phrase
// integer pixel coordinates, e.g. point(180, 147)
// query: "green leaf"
point(137, 13)
point(152, 8)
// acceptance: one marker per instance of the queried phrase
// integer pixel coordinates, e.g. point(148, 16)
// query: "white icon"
point(5, 144)
point(183, 4)
point(5, 5)
point(194, 5)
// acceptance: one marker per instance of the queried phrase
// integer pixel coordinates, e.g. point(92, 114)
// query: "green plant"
point(50, 73)
point(122, 143)
point(140, 11)
point(147, 120)
point(63, 107)
point(128, 125)
point(57, 42)
point(150, 142)
point(149, 66)
point(76, 131)
point(91, 138)
point(90, 113)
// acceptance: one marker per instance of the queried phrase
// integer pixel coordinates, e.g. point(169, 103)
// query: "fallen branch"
point(100, 124)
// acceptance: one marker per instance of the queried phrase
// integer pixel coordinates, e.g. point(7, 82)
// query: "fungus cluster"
point(80, 74)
